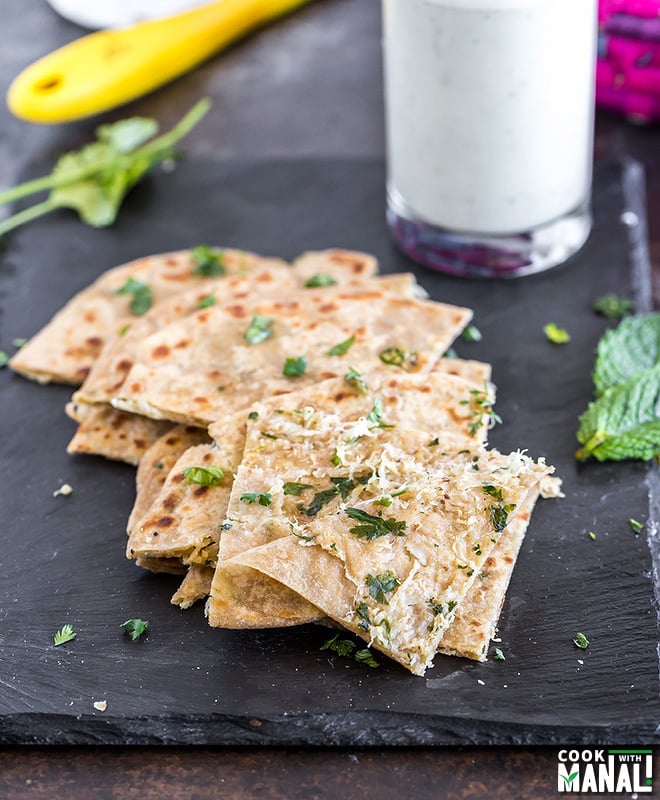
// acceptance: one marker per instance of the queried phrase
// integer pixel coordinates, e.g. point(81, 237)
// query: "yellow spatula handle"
point(109, 68)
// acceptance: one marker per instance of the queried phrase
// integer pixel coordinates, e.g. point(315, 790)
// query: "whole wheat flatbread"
point(433, 402)
point(66, 348)
point(202, 368)
point(156, 465)
point(439, 405)
point(115, 434)
point(348, 269)
point(445, 531)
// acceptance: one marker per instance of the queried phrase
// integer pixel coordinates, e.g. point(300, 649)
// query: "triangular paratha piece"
point(219, 361)
point(66, 348)
point(390, 569)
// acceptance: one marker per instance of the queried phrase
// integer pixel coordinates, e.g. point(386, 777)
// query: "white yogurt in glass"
point(489, 110)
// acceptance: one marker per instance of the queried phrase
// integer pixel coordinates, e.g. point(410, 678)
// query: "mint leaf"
point(624, 422)
point(632, 347)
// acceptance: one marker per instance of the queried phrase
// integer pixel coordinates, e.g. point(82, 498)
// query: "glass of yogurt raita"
point(489, 118)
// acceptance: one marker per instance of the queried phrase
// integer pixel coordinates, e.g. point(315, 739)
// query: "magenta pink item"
point(628, 69)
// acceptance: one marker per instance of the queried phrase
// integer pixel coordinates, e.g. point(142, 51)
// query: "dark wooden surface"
point(309, 86)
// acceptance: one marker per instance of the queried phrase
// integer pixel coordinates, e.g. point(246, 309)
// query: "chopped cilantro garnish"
point(434, 442)
point(498, 655)
point(591, 535)
point(263, 498)
point(381, 585)
point(471, 334)
point(481, 409)
point(301, 536)
point(296, 489)
point(207, 301)
point(18, 343)
point(320, 280)
point(253, 415)
point(208, 262)
point(141, 299)
point(637, 527)
point(555, 334)
point(261, 328)
point(442, 608)
point(366, 657)
point(294, 367)
point(386, 501)
point(450, 353)
point(362, 611)
point(4, 359)
point(373, 527)
point(493, 491)
point(613, 307)
point(342, 486)
point(343, 347)
point(268, 435)
point(581, 641)
point(499, 515)
point(376, 414)
point(336, 460)
point(343, 647)
point(64, 635)
point(135, 627)
point(356, 381)
point(204, 476)
point(124, 330)
point(226, 526)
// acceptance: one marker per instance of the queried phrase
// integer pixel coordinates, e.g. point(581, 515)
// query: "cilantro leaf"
point(296, 489)
point(343, 647)
point(366, 657)
point(373, 527)
point(632, 347)
point(362, 611)
point(624, 422)
point(376, 414)
point(356, 381)
point(294, 367)
point(135, 627)
point(208, 261)
point(64, 635)
point(319, 280)
point(442, 608)
point(381, 585)
point(555, 334)
point(581, 641)
point(343, 347)
point(263, 498)
point(4, 359)
point(613, 307)
point(498, 655)
point(493, 491)
point(142, 297)
point(94, 180)
point(207, 301)
point(204, 476)
point(499, 515)
point(261, 328)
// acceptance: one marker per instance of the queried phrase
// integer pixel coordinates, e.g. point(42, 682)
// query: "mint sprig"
point(632, 347)
point(624, 422)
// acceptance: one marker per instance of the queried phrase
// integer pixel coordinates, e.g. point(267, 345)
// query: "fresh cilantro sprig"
point(135, 627)
point(347, 648)
point(381, 585)
point(94, 180)
point(294, 367)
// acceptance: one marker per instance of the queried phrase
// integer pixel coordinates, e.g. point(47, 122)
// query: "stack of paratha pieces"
point(305, 452)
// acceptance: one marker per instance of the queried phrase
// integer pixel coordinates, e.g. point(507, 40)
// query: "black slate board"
point(62, 558)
